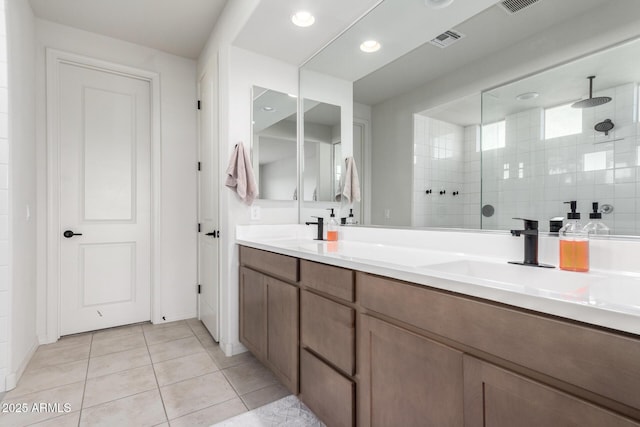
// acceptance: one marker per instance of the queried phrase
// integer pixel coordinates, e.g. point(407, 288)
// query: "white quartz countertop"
point(599, 297)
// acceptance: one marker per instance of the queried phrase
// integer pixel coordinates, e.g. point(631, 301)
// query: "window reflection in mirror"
point(273, 148)
point(322, 152)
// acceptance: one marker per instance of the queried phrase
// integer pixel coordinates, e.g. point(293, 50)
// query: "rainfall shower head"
point(604, 126)
point(591, 101)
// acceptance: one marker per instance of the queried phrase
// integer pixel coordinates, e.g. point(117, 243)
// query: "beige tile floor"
point(172, 374)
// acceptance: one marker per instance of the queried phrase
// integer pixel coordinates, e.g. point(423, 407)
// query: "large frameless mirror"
point(463, 119)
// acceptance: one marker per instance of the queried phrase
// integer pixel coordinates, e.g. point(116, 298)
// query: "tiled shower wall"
point(531, 177)
point(439, 166)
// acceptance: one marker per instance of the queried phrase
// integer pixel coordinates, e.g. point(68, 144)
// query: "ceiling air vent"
point(513, 6)
point(447, 39)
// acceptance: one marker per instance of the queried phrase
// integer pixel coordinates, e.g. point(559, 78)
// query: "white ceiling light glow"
point(370, 46)
point(437, 4)
point(303, 19)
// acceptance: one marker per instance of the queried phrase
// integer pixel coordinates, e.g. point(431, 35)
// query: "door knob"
point(69, 234)
point(213, 234)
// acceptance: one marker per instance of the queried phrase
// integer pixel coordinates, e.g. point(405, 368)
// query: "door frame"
point(55, 58)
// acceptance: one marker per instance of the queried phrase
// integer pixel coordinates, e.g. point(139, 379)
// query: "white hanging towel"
point(351, 187)
point(240, 175)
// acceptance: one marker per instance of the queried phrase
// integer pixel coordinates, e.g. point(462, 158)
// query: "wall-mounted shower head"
point(604, 126)
point(591, 101)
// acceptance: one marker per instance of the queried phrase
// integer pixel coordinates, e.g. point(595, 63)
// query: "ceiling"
point(182, 27)
point(178, 27)
point(270, 31)
point(488, 32)
point(559, 85)
point(400, 26)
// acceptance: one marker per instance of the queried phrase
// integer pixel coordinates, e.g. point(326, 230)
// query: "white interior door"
point(208, 238)
point(105, 192)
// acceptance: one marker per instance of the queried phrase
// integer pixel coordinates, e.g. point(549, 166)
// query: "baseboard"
point(231, 349)
point(12, 379)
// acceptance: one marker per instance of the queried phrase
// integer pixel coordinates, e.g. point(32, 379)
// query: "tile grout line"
point(153, 368)
point(210, 406)
point(86, 377)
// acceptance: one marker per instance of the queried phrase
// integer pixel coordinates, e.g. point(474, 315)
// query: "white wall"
point(19, 153)
point(391, 119)
point(237, 72)
point(178, 141)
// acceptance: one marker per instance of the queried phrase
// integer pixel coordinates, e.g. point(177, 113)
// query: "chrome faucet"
point(320, 224)
point(530, 234)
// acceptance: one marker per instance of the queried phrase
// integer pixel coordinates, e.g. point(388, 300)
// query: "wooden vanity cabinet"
point(406, 379)
point(269, 325)
point(497, 397)
point(327, 342)
point(368, 350)
point(392, 361)
point(253, 311)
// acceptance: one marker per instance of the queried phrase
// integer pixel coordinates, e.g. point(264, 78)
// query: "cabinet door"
point(406, 379)
point(253, 312)
point(282, 346)
point(495, 397)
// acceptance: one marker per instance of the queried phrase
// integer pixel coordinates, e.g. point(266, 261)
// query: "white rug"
point(286, 412)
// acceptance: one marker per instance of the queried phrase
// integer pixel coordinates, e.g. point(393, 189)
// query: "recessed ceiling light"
point(370, 46)
point(437, 4)
point(527, 95)
point(269, 109)
point(303, 19)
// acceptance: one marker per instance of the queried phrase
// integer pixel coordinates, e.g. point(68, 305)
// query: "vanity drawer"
point(331, 280)
point(327, 393)
point(602, 362)
point(328, 329)
point(282, 266)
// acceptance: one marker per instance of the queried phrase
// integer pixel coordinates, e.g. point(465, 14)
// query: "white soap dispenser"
point(332, 228)
point(574, 243)
point(350, 219)
point(595, 226)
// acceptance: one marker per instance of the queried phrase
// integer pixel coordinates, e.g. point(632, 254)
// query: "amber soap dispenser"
point(574, 243)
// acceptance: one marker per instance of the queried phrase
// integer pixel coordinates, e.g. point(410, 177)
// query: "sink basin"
point(533, 280)
point(388, 255)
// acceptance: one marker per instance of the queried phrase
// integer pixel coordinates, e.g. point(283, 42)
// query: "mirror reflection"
point(322, 152)
point(273, 148)
point(550, 139)
point(449, 144)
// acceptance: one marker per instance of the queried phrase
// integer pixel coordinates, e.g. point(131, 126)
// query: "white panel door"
point(208, 238)
point(105, 192)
